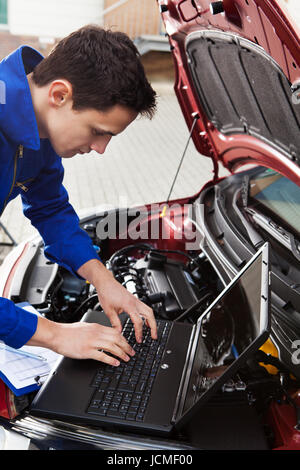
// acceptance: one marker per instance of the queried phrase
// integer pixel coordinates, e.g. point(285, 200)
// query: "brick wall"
point(134, 17)
point(10, 42)
point(142, 17)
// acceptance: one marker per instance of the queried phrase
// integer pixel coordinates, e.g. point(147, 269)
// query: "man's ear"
point(59, 93)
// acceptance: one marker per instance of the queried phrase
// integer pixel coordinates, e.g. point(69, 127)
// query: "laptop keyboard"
point(123, 392)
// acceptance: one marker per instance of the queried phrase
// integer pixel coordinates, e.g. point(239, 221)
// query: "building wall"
point(8, 43)
point(134, 17)
point(40, 23)
point(55, 18)
point(139, 18)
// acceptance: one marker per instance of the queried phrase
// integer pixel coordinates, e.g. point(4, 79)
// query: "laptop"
point(188, 364)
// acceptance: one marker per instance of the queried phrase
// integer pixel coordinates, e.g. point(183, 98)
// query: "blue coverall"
point(30, 167)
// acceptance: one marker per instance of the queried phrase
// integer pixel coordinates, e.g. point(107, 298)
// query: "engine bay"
point(167, 285)
point(178, 285)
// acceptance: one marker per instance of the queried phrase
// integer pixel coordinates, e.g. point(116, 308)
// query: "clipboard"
point(24, 374)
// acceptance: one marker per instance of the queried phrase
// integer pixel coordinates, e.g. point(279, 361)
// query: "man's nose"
point(100, 144)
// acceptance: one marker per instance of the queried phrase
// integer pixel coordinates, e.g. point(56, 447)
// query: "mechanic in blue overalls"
point(90, 88)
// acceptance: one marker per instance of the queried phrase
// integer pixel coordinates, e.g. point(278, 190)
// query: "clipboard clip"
point(38, 378)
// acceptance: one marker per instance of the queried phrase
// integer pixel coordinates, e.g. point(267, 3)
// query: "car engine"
point(179, 286)
point(173, 288)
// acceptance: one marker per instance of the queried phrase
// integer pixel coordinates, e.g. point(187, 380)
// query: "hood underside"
point(244, 103)
point(243, 91)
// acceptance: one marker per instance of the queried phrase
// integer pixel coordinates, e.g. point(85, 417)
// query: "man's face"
point(77, 132)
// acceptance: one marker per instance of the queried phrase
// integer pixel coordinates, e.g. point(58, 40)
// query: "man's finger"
point(138, 325)
point(99, 355)
point(114, 320)
point(117, 346)
point(119, 341)
point(146, 313)
point(151, 322)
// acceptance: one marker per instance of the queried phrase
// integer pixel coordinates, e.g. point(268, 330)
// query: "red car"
point(237, 66)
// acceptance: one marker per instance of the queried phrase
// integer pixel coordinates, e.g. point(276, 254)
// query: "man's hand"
point(115, 299)
point(82, 341)
point(90, 340)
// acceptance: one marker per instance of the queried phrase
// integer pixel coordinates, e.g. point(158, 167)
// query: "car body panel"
point(268, 31)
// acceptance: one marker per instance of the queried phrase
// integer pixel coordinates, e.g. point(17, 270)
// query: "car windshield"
point(279, 195)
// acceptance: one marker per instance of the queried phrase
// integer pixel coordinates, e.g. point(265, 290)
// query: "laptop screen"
point(232, 326)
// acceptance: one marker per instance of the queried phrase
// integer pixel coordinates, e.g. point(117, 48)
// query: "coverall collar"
point(17, 116)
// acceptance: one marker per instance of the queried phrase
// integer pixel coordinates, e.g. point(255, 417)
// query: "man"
point(89, 88)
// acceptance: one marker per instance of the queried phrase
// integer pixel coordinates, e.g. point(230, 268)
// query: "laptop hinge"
point(182, 390)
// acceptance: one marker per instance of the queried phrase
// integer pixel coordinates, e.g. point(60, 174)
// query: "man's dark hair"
point(104, 68)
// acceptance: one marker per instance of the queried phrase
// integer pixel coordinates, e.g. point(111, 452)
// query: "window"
point(3, 11)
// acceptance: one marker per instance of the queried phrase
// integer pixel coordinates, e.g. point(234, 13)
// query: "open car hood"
point(238, 80)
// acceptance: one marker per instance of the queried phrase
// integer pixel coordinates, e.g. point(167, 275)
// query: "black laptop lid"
point(230, 331)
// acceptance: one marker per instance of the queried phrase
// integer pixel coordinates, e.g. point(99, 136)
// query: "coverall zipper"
point(20, 184)
point(19, 153)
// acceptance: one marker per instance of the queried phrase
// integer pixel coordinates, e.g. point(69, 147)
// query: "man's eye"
point(95, 132)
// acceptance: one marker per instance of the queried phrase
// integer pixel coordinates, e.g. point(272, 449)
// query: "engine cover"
point(168, 284)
